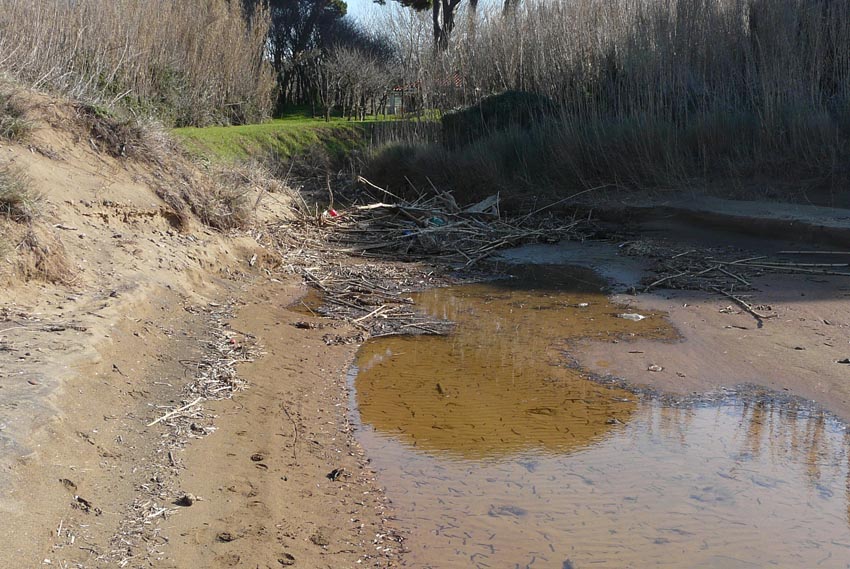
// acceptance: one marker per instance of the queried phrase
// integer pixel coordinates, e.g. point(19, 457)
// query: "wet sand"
point(722, 346)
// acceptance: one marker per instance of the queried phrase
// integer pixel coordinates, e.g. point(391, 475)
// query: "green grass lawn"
point(285, 136)
point(292, 133)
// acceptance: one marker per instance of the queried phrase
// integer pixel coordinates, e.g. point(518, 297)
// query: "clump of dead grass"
point(14, 124)
point(223, 198)
point(218, 204)
point(18, 200)
point(195, 62)
point(222, 206)
point(35, 252)
point(124, 136)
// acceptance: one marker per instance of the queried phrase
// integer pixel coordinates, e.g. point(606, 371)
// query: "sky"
point(361, 8)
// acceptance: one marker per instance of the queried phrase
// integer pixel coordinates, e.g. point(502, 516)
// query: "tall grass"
point(192, 62)
point(657, 94)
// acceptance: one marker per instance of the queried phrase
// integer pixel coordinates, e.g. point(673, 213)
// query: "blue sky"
point(359, 8)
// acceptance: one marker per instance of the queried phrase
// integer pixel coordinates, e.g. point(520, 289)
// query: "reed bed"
point(196, 62)
point(728, 95)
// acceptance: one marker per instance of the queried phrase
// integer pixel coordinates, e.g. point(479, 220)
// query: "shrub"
point(495, 113)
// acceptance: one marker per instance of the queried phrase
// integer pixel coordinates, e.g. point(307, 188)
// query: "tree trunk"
point(438, 29)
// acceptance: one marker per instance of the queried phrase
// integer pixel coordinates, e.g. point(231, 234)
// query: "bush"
point(511, 109)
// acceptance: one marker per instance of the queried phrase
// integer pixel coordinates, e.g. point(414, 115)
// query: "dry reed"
point(195, 62)
point(652, 94)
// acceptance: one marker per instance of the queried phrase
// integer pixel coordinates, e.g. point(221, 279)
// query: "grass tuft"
point(223, 206)
point(18, 201)
point(13, 122)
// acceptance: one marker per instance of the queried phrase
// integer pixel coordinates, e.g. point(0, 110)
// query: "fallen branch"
point(745, 305)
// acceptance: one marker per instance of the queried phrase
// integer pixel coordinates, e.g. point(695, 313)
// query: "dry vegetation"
point(191, 63)
point(131, 65)
point(647, 94)
point(38, 252)
point(18, 201)
point(13, 121)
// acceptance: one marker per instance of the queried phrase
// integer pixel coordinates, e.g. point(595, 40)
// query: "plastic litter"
point(631, 316)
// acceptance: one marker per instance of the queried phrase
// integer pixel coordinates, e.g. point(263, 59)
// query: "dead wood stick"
point(410, 216)
point(805, 264)
point(339, 301)
point(799, 270)
point(315, 280)
point(744, 304)
point(429, 330)
point(734, 276)
point(304, 304)
point(814, 253)
point(683, 254)
point(377, 205)
point(295, 432)
point(373, 313)
point(12, 328)
point(380, 189)
point(661, 280)
point(739, 261)
point(568, 198)
point(362, 248)
point(176, 411)
point(708, 270)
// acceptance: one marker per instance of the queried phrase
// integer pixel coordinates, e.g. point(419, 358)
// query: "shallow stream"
point(497, 453)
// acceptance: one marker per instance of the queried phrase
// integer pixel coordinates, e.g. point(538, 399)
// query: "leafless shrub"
point(355, 81)
point(18, 201)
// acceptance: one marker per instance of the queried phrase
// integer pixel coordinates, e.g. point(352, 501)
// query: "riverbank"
point(273, 474)
point(161, 406)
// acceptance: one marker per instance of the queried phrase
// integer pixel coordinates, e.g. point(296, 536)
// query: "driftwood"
point(432, 229)
point(176, 411)
point(708, 270)
point(746, 306)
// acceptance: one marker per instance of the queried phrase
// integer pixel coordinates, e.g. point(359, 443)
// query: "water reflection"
point(496, 455)
point(500, 385)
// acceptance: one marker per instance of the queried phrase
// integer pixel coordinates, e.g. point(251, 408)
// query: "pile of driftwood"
point(435, 227)
point(374, 299)
point(727, 273)
point(432, 230)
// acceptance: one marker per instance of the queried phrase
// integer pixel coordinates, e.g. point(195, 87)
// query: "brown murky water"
point(498, 455)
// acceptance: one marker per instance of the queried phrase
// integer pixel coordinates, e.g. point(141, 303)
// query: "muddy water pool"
point(497, 453)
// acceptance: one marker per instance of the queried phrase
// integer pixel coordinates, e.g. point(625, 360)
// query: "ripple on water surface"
point(497, 454)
